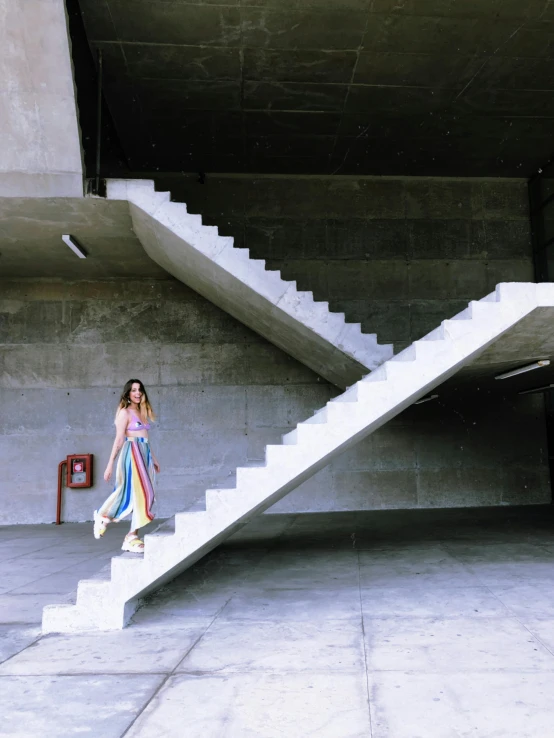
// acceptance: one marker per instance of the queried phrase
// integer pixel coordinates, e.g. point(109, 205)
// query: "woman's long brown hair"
point(145, 408)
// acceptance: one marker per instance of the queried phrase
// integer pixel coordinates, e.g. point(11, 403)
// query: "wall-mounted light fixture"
point(426, 399)
point(523, 369)
point(75, 246)
point(537, 389)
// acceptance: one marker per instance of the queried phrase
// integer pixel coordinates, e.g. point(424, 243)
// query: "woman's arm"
point(120, 428)
point(155, 462)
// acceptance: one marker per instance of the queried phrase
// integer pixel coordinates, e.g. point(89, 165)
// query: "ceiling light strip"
point(523, 369)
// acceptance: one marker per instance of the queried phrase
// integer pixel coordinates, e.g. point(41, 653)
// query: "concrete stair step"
point(438, 334)
point(108, 599)
point(125, 567)
point(174, 215)
point(218, 498)
point(245, 288)
point(165, 528)
point(277, 455)
point(491, 297)
point(305, 431)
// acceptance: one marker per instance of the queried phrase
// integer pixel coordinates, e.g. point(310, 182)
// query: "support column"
point(40, 148)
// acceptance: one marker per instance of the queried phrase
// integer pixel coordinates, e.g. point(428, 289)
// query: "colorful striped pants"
point(134, 485)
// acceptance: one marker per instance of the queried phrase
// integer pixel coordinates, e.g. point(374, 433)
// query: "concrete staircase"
point(108, 600)
point(273, 307)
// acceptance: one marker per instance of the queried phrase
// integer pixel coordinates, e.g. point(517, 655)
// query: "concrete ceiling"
point(31, 243)
point(432, 87)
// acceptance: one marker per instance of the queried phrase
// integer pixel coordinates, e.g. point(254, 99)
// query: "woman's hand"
point(108, 472)
point(156, 466)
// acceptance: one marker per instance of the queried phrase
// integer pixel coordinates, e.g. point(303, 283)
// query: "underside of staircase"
point(108, 600)
point(261, 299)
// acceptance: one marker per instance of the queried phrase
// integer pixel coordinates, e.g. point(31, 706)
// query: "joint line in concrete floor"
point(534, 636)
point(172, 672)
point(365, 646)
point(41, 549)
point(516, 617)
point(169, 674)
point(510, 613)
point(58, 571)
point(17, 653)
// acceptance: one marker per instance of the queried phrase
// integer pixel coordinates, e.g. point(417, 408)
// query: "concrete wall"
point(40, 152)
point(222, 393)
point(396, 254)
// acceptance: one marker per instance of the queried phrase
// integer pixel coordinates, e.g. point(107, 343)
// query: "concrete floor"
point(422, 624)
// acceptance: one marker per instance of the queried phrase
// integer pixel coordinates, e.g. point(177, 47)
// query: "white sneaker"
point(100, 524)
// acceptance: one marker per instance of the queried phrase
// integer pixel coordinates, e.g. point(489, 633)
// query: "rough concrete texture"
point(314, 86)
point(244, 288)
point(60, 340)
point(31, 243)
point(396, 254)
point(389, 624)
point(40, 155)
point(109, 599)
point(222, 394)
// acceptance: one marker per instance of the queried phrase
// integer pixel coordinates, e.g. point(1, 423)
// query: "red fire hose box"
point(79, 475)
point(79, 470)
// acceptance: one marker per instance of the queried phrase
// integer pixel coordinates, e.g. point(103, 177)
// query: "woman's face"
point(135, 395)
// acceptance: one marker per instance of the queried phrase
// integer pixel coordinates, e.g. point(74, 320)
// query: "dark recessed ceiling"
point(451, 87)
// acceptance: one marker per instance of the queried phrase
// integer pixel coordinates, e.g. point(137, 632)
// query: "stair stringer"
point(273, 307)
point(108, 600)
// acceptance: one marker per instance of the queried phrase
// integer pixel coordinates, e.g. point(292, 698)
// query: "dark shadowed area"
point(428, 87)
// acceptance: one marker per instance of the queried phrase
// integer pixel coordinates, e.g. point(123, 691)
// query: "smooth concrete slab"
point(42, 565)
point(153, 618)
point(295, 605)
point(518, 573)
point(490, 536)
point(318, 705)
point(477, 704)
point(295, 647)
point(14, 548)
point(156, 652)
point(59, 582)
point(184, 607)
point(322, 571)
point(474, 554)
point(543, 630)
point(430, 602)
point(427, 567)
point(11, 581)
point(227, 653)
point(14, 639)
point(224, 567)
point(526, 600)
point(454, 645)
point(67, 706)
point(27, 608)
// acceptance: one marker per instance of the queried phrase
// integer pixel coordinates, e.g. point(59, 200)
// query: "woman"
point(135, 471)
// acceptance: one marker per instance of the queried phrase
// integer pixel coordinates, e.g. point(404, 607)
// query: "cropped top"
point(137, 424)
